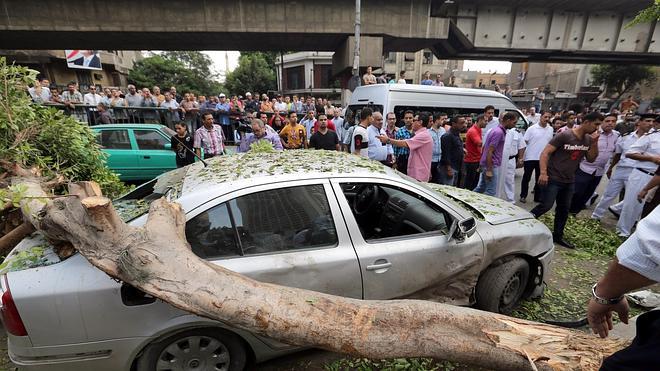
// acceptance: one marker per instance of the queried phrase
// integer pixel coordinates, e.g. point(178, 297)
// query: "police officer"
point(512, 158)
point(624, 166)
point(646, 151)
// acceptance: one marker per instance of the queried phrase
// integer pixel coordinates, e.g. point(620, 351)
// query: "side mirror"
point(168, 146)
point(462, 229)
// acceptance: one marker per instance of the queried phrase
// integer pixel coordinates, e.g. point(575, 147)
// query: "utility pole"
point(356, 55)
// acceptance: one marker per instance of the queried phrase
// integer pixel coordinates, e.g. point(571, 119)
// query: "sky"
point(219, 64)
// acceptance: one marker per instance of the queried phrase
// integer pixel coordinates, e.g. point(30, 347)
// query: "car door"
point(122, 157)
point(154, 152)
point(291, 234)
point(403, 244)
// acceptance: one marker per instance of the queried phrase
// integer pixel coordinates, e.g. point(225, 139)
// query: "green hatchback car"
point(137, 151)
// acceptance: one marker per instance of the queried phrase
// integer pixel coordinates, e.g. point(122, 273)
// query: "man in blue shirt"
point(427, 79)
point(405, 132)
point(223, 108)
point(436, 131)
point(259, 133)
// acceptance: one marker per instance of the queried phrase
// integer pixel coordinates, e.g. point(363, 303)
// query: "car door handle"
point(375, 267)
point(146, 156)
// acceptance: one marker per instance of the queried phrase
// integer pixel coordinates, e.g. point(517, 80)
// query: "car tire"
point(203, 349)
point(500, 288)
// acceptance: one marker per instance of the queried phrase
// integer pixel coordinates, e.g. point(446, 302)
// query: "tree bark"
point(11, 239)
point(157, 259)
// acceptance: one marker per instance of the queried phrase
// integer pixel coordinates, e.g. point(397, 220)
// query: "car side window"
point(284, 219)
point(114, 139)
point(149, 139)
point(211, 234)
point(384, 211)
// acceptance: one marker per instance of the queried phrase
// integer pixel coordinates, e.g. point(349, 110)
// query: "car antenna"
point(190, 150)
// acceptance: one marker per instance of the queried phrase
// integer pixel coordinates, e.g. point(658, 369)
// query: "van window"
point(353, 112)
point(450, 111)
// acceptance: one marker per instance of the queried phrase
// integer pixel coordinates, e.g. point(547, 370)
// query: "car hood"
point(491, 209)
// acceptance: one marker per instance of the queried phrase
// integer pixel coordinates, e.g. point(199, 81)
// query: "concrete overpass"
point(516, 30)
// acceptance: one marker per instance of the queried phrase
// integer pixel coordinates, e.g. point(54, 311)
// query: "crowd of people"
point(567, 151)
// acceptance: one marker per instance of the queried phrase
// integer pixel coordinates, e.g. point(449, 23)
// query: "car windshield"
point(353, 111)
point(136, 202)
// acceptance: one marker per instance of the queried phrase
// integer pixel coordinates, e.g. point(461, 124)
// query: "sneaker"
point(523, 200)
point(593, 199)
point(564, 243)
point(610, 209)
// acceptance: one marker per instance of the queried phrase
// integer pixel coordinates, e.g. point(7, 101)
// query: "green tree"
point(621, 78)
point(650, 14)
point(187, 70)
point(32, 135)
point(252, 74)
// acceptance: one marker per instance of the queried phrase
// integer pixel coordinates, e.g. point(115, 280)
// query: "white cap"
point(222, 95)
point(248, 94)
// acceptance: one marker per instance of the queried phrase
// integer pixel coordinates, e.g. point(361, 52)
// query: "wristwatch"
point(604, 301)
point(388, 141)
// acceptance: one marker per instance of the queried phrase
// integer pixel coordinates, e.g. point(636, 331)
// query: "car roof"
point(416, 88)
point(245, 169)
point(128, 126)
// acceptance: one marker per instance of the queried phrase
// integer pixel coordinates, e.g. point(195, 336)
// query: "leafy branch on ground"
point(588, 235)
point(411, 364)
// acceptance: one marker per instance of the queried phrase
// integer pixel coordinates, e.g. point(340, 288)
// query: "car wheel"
point(500, 288)
point(195, 350)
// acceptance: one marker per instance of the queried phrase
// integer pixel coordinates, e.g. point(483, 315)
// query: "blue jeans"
point(562, 193)
point(487, 186)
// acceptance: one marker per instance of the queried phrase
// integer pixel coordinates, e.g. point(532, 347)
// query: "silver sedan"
point(324, 221)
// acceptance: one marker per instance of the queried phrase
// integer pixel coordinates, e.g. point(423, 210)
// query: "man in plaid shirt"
point(403, 133)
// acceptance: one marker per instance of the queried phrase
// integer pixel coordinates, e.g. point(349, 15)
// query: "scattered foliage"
point(648, 15)
point(411, 364)
point(587, 235)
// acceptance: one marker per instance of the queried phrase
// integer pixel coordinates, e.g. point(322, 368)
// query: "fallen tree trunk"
point(157, 259)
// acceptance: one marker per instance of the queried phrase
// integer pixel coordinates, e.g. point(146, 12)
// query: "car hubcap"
point(194, 353)
point(511, 289)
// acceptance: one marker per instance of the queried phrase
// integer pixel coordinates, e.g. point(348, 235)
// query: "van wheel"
point(500, 288)
point(195, 350)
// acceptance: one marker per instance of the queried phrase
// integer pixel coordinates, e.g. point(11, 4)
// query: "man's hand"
point(600, 316)
point(609, 173)
point(656, 160)
point(489, 175)
point(450, 172)
point(382, 138)
point(520, 163)
point(642, 195)
point(595, 135)
point(543, 179)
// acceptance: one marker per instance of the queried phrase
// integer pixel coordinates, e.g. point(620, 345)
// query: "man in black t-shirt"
point(182, 145)
point(324, 138)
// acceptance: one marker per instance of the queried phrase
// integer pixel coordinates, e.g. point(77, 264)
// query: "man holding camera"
point(258, 133)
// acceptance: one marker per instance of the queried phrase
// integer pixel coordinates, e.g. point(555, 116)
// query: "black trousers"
point(642, 353)
point(471, 175)
point(585, 186)
point(529, 166)
point(402, 163)
point(562, 193)
point(435, 173)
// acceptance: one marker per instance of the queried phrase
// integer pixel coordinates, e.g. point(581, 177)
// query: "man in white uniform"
point(514, 152)
point(624, 166)
point(646, 150)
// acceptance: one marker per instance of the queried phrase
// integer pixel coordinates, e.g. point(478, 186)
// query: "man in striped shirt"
point(402, 153)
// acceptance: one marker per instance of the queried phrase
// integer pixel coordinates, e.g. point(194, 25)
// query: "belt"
point(512, 157)
point(651, 173)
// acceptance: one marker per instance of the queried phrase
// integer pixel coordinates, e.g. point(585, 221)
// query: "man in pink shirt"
point(420, 145)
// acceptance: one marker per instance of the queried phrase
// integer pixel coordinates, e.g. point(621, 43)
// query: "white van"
point(399, 98)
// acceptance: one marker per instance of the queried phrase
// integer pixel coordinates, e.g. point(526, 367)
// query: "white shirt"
point(537, 138)
point(364, 137)
point(622, 146)
point(280, 106)
point(493, 123)
point(641, 252)
point(92, 99)
point(648, 144)
point(377, 150)
point(534, 119)
point(401, 81)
